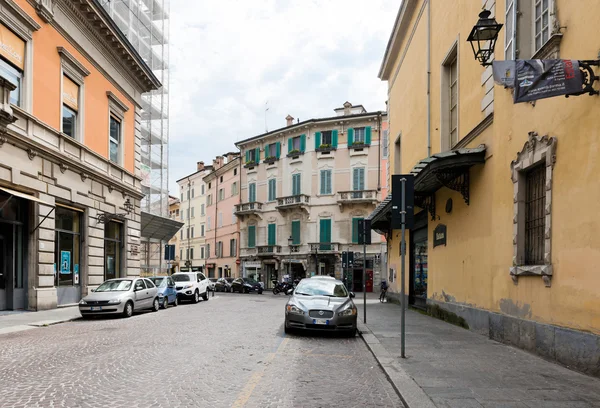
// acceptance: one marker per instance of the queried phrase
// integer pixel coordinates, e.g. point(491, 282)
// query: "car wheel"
point(231, 289)
point(275, 291)
point(128, 309)
point(286, 329)
point(260, 292)
point(205, 295)
point(155, 305)
point(196, 296)
point(165, 302)
point(176, 302)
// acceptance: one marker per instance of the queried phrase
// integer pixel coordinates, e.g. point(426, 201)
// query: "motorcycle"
point(280, 287)
point(290, 290)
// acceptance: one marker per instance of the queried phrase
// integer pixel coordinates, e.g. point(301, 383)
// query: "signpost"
point(364, 238)
point(403, 186)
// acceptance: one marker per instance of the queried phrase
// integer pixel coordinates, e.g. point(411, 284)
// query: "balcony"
point(247, 252)
point(248, 209)
point(357, 197)
point(268, 250)
point(324, 247)
point(292, 202)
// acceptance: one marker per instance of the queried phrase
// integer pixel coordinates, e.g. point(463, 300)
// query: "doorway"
point(12, 279)
point(418, 274)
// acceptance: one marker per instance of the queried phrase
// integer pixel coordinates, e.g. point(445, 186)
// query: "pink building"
point(222, 235)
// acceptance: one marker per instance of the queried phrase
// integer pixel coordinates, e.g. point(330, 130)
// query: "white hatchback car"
point(191, 285)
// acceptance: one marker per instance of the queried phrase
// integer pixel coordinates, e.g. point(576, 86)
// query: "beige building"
point(303, 189)
point(194, 199)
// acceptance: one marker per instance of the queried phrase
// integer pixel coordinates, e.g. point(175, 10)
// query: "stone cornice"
point(14, 8)
point(66, 55)
point(92, 18)
point(113, 98)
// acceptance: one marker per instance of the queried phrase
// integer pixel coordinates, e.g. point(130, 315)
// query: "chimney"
point(200, 166)
point(290, 120)
point(347, 108)
point(231, 157)
point(218, 162)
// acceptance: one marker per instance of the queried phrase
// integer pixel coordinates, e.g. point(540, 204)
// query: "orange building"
point(69, 151)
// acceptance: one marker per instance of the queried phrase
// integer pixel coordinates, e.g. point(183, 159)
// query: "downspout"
point(238, 248)
point(379, 152)
point(216, 216)
point(429, 78)
point(189, 224)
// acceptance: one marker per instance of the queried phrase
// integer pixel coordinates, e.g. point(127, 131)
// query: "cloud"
point(229, 57)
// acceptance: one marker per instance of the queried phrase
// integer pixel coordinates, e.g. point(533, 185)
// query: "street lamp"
point(290, 243)
point(484, 36)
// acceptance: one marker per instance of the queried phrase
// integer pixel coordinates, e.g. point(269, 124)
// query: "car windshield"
point(248, 280)
point(117, 285)
point(181, 278)
point(159, 282)
point(321, 287)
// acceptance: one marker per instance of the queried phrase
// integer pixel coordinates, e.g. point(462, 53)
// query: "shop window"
point(68, 245)
point(112, 250)
point(532, 173)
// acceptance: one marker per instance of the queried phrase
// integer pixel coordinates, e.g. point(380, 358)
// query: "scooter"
point(292, 287)
point(280, 287)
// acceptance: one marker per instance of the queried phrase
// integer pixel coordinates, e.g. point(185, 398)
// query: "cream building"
point(194, 199)
point(303, 189)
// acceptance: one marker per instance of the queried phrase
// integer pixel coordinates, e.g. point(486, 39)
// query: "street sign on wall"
point(409, 200)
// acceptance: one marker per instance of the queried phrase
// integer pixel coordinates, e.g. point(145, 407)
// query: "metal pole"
point(402, 268)
point(364, 277)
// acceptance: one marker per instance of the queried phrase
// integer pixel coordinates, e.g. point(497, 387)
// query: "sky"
point(230, 60)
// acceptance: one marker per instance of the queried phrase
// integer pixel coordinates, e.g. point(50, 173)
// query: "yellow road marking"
point(256, 377)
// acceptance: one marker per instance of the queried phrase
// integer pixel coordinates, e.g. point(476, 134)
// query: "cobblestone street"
point(229, 351)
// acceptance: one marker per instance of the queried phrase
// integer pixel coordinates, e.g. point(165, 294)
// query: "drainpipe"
point(189, 221)
point(238, 248)
point(429, 78)
point(379, 152)
point(216, 215)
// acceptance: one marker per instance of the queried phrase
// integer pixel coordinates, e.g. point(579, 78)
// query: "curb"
point(35, 325)
point(410, 393)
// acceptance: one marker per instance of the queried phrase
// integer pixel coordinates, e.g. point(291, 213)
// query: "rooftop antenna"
point(266, 109)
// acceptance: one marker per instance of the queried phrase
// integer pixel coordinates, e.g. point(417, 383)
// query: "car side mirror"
point(352, 294)
point(93, 290)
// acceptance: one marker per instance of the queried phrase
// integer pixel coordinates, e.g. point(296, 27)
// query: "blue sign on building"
point(65, 262)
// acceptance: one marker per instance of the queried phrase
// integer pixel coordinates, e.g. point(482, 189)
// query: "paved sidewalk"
point(450, 367)
point(14, 322)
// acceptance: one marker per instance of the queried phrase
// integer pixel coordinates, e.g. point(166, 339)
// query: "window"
point(221, 194)
point(251, 236)
point(252, 192)
point(181, 234)
point(325, 234)
point(220, 220)
point(192, 234)
point(541, 23)
point(187, 213)
point(509, 30)
point(208, 223)
point(358, 180)
point(209, 185)
point(201, 252)
point(326, 137)
point(115, 139)
point(296, 143)
point(386, 144)
point(296, 184)
point(188, 194)
point(181, 196)
point(192, 193)
point(192, 253)
point(355, 230)
point(112, 250)
point(359, 135)
point(252, 155)
point(67, 254)
point(208, 250)
point(202, 189)
point(180, 254)
point(187, 232)
point(232, 248)
point(209, 200)
point(202, 230)
point(12, 62)
point(187, 253)
point(70, 107)
point(449, 97)
point(532, 186)
point(296, 240)
point(220, 246)
point(182, 214)
point(453, 81)
point(273, 150)
point(202, 209)
point(325, 181)
point(221, 179)
point(234, 188)
point(272, 189)
point(192, 212)
point(235, 172)
point(233, 216)
point(272, 234)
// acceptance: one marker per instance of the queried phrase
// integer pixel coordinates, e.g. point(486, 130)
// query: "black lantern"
point(484, 36)
point(290, 241)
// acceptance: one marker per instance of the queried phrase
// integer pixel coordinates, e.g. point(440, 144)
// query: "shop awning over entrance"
point(25, 196)
point(448, 169)
point(157, 227)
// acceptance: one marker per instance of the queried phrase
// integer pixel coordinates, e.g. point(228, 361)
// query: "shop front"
point(251, 269)
point(417, 285)
point(67, 257)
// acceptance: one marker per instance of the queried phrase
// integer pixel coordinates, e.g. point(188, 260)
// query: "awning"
point(157, 227)
point(448, 169)
point(25, 196)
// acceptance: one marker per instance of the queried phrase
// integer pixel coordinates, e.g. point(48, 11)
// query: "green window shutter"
point(334, 137)
point(290, 144)
point(355, 230)
point(317, 140)
point(296, 184)
point(368, 135)
point(322, 176)
point(247, 156)
point(278, 149)
point(302, 143)
point(272, 189)
point(328, 181)
point(361, 178)
point(272, 238)
point(257, 155)
point(350, 136)
point(252, 193)
point(296, 232)
point(251, 236)
point(325, 234)
point(355, 177)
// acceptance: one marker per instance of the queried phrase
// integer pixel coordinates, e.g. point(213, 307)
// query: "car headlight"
point(82, 302)
point(293, 309)
point(349, 311)
point(187, 286)
point(114, 302)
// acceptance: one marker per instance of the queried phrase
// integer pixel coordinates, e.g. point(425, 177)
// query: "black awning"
point(448, 169)
point(159, 228)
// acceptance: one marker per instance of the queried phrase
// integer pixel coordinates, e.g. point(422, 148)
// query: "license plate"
point(320, 321)
point(93, 309)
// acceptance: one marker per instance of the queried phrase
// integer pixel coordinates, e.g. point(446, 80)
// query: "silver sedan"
point(321, 304)
point(120, 296)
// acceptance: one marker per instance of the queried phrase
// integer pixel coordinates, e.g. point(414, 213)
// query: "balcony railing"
point(293, 201)
point(324, 247)
point(248, 252)
point(248, 208)
point(357, 196)
point(268, 249)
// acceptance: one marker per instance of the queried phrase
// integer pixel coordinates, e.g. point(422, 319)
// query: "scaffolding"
point(145, 23)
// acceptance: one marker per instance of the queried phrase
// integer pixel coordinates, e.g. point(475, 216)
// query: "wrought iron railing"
point(248, 207)
point(358, 195)
point(269, 249)
point(324, 247)
point(293, 200)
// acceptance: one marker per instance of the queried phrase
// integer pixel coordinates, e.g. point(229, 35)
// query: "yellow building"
point(512, 189)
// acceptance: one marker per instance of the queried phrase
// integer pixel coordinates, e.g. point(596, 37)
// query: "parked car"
point(211, 284)
point(321, 304)
point(167, 294)
point(191, 285)
point(246, 285)
point(120, 296)
point(224, 285)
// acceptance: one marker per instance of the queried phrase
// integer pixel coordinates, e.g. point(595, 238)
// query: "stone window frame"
point(76, 72)
point(117, 109)
point(536, 150)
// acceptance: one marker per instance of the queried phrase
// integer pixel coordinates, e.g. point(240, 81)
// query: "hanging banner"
point(504, 73)
point(539, 79)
